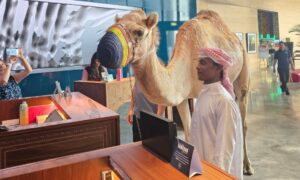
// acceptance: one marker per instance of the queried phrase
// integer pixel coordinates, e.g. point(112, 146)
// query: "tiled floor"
point(273, 128)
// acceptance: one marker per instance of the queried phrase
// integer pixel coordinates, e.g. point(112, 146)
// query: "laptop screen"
point(158, 134)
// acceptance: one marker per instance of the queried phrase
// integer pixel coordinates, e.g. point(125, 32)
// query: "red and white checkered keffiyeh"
point(219, 56)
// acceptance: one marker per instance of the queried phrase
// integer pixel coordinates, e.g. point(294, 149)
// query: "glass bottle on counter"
point(23, 112)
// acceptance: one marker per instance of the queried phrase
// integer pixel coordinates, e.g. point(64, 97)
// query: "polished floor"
point(273, 128)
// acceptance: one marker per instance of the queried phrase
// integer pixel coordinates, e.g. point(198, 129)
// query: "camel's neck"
point(161, 84)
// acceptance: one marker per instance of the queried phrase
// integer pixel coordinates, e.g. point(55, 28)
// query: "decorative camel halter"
point(116, 49)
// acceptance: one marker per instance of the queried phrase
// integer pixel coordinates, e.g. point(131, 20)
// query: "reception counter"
point(132, 159)
point(89, 126)
point(110, 94)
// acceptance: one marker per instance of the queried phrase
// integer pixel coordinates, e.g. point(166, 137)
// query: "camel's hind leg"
point(184, 112)
point(241, 87)
point(243, 99)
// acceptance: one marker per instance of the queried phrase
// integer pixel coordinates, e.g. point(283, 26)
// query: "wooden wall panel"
point(110, 94)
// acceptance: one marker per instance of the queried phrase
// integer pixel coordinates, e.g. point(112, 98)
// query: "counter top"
point(77, 107)
point(137, 162)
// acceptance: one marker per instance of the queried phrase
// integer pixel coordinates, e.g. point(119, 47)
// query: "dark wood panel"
point(50, 150)
point(89, 170)
point(60, 141)
point(93, 89)
point(90, 126)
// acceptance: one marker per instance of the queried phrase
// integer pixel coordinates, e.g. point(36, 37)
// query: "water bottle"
point(23, 112)
point(119, 74)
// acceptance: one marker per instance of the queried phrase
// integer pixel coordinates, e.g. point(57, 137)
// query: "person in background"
point(93, 72)
point(9, 88)
point(271, 53)
point(140, 102)
point(284, 59)
point(263, 52)
point(216, 126)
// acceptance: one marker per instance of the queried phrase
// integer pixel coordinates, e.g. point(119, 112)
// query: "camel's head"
point(131, 38)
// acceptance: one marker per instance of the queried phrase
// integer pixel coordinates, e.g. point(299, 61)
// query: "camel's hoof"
point(248, 171)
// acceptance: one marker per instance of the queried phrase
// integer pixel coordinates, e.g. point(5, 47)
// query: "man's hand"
point(130, 117)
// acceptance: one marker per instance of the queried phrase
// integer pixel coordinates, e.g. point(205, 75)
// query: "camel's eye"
point(139, 33)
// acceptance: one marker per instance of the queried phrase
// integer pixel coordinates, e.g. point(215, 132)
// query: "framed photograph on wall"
point(240, 36)
point(251, 42)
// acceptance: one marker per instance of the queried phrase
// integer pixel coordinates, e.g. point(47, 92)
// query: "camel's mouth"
point(115, 48)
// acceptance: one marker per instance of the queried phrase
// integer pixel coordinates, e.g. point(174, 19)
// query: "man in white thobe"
point(216, 127)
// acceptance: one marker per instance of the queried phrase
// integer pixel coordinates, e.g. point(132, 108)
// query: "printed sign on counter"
point(185, 158)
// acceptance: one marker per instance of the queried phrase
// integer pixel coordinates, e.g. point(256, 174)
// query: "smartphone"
point(12, 51)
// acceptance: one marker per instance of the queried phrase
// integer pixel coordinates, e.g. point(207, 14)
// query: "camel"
point(173, 84)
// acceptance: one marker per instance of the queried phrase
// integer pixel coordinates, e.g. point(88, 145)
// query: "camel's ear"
point(117, 18)
point(152, 20)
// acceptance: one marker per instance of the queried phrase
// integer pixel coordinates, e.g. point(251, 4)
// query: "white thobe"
point(216, 129)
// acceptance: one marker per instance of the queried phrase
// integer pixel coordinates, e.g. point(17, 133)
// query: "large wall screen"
point(55, 33)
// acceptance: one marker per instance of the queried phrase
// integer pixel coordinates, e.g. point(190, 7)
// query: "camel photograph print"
point(251, 42)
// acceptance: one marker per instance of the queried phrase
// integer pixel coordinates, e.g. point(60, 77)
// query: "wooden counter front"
point(136, 161)
point(110, 94)
point(90, 126)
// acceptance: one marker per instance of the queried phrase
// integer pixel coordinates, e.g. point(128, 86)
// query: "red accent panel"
point(296, 75)
point(34, 111)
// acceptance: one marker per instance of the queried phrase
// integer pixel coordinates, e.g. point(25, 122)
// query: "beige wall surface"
point(241, 16)
point(288, 15)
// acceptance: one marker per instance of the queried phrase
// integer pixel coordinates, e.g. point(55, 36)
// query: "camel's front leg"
point(184, 112)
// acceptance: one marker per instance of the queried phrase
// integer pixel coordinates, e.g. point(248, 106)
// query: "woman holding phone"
point(9, 88)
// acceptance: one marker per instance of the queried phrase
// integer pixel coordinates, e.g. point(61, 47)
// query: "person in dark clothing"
point(284, 59)
point(140, 102)
point(93, 72)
